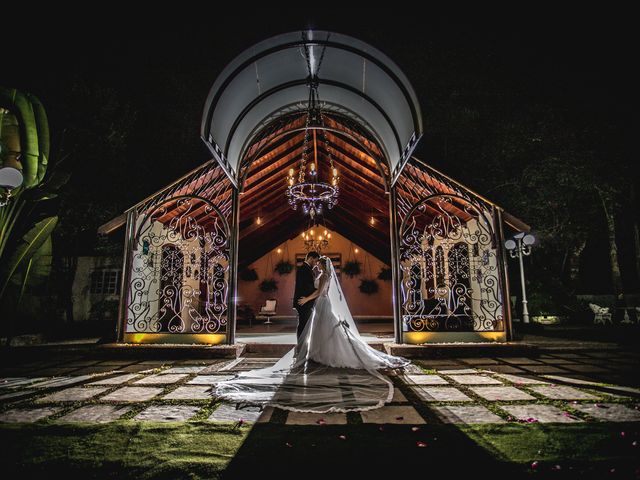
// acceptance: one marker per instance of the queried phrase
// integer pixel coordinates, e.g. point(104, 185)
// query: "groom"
point(304, 287)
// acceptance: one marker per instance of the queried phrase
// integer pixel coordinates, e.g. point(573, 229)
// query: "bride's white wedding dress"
point(335, 369)
point(331, 336)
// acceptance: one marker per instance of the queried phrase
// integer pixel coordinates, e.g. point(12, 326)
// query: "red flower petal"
point(399, 418)
point(534, 465)
point(421, 444)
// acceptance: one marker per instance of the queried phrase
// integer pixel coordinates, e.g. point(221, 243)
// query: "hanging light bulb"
point(279, 250)
point(259, 221)
point(356, 250)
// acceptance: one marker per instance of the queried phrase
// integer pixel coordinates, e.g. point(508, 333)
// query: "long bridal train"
point(335, 370)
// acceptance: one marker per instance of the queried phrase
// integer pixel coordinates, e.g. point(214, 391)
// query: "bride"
point(334, 370)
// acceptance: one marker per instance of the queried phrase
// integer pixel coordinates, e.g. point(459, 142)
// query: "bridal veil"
point(348, 382)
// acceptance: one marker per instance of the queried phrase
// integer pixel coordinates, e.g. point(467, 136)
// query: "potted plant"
point(269, 285)
point(385, 273)
point(248, 275)
point(284, 267)
point(352, 268)
point(368, 286)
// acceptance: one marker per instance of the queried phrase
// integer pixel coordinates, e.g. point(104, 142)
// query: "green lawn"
point(129, 449)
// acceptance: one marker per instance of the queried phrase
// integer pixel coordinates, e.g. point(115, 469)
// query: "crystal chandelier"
point(307, 191)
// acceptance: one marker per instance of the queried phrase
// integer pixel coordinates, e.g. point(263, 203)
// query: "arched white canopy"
point(274, 77)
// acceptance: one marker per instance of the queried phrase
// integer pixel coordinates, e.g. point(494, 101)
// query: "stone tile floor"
point(578, 388)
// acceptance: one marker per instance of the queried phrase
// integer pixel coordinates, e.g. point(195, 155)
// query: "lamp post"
point(10, 178)
point(518, 246)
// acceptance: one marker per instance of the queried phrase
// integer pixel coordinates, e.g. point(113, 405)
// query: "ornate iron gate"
point(449, 265)
point(180, 269)
point(178, 272)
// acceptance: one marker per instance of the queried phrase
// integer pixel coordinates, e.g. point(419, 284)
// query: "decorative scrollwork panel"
point(449, 268)
point(180, 269)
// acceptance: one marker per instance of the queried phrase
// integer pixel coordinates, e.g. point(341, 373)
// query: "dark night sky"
point(579, 59)
point(163, 64)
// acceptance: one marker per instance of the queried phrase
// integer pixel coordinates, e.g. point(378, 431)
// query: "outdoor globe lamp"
point(10, 178)
point(518, 246)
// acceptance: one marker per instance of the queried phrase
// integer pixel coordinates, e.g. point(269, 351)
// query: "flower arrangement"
point(385, 273)
point(269, 285)
point(352, 268)
point(368, 287)
point(284, 267)
point(248, 275)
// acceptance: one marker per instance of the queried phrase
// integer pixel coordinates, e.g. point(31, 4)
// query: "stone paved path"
point(551, 388)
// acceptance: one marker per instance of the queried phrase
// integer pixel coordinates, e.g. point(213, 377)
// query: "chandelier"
point(316, 237)
point(307, 191)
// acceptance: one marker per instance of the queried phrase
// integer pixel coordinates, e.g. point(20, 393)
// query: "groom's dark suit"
point(303, 288)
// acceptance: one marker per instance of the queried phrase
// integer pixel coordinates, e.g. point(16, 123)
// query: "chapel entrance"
point(285, 116)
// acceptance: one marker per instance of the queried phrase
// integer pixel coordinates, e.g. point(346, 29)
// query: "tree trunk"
point(636, 240)
point(636, 231)
point(71, 264)
point(616, 276)
point(574, 263)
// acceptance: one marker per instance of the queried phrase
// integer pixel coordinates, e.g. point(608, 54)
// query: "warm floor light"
point(259, 221)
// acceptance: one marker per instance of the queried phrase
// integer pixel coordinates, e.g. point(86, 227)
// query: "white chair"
point(268, 310)
point(602, 314)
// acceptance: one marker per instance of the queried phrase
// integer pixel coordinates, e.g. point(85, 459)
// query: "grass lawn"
point(130, 449)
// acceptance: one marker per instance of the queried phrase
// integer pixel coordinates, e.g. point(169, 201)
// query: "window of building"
point(106, 281)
